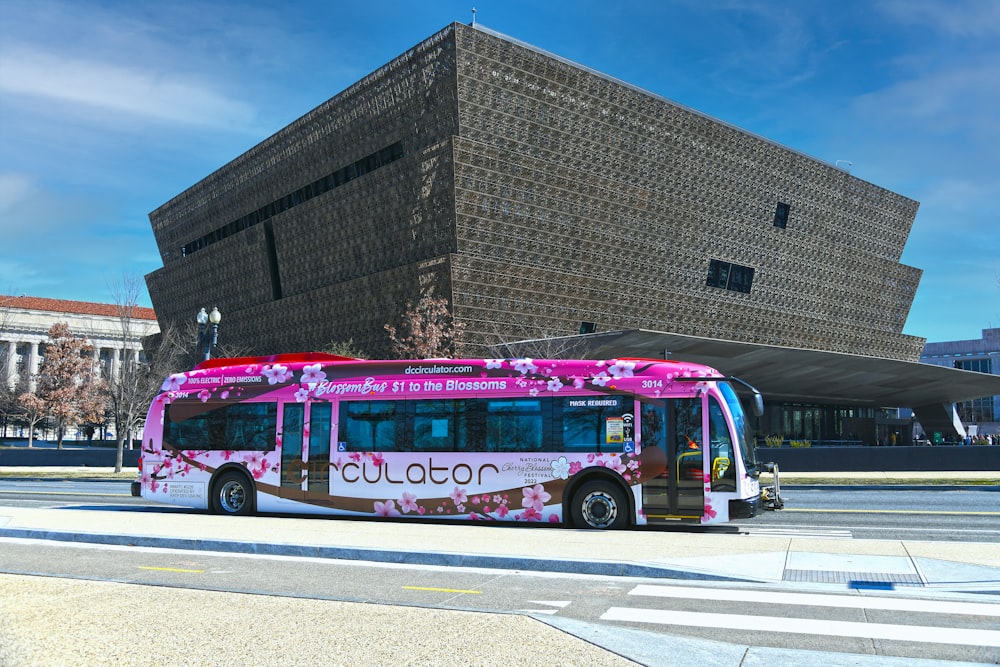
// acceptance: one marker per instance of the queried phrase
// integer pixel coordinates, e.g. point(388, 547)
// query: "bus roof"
point(672, 367)
point(316, 374)
point(287, 358)
point(313, 357)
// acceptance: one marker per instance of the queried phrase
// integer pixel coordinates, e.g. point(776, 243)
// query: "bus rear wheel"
point(599, 505)
point(233, 494)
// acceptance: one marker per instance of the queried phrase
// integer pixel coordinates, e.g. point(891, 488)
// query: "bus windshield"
point(740, 422)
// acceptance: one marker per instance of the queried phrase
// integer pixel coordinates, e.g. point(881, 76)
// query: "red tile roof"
point(76, 307)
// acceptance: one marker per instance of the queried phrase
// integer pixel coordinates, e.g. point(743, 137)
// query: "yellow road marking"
point(170, 569)
point(942, 512)
point(441, 590)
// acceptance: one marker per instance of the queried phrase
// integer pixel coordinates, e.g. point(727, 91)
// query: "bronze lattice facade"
point(535, 194)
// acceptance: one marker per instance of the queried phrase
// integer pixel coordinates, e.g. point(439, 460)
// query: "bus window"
point(319, 446)
point(687, 438)
point(291, 444)
point(654, 424)
point(723, 470)
point(594, 423)
point(740, 424)
point(371, 426)
point(439, 425)
point(514, 425)
point(240, 426)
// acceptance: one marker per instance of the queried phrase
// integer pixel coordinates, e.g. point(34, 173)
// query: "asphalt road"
point(948, 513)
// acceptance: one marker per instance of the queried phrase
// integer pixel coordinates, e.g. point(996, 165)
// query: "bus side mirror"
point(758, 400)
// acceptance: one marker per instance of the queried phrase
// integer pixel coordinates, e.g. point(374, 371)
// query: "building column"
point(33, 360)
point(11, 363)
point(127, 360)
point(33, 367)
point(115, 362)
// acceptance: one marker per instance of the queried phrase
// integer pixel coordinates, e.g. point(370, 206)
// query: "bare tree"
point(179, 347)
point(230, 351)
point(176, 348)
point(427, 329)
point(546, 347)
point(17, 410)
point(344, 349)
point(523, 338)
point(8, 391)
point(66, 382)
point(136, 382)
point(33, 410)
point(131, 385)
point(168, 352)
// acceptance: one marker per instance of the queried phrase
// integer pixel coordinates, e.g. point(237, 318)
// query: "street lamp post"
point(204, 319)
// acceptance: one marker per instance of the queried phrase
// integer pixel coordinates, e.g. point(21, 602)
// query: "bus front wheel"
point(233, 494)
point(599, 505)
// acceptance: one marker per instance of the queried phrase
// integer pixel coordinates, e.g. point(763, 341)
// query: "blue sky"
point(108, 109)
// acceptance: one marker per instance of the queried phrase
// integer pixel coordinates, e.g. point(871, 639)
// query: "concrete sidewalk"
point(717, 553)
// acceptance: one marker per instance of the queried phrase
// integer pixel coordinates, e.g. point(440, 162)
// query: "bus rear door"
point(305, 452)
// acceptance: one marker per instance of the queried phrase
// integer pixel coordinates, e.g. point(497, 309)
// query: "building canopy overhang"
point(787, 374)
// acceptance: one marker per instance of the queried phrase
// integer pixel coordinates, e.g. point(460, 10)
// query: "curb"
point(485, 561)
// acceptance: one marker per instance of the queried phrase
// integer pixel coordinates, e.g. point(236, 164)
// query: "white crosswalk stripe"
point(821, 600)
point(559, 604)
point(910, 633)
point(815, 533)
point(826, 627)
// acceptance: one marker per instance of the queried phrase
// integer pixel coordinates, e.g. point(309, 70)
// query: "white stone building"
point(24, 330)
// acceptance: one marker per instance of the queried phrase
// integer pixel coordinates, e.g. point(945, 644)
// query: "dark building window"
point(729, 276)
point(977, 365)
point(781, 215)
point(336, 179)
point(718, 274)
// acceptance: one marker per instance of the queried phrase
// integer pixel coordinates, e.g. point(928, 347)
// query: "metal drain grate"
point(827, 577)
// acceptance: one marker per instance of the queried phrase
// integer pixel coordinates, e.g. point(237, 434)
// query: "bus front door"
point(305, 452)
point(677, 493)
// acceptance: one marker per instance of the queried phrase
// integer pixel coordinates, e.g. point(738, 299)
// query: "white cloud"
point(966, 18)
point(30, 209)
point(18, 277)
point(962, 194)
point(962, 98)
point(14, 188)
point(783, 60)
point(121, 89)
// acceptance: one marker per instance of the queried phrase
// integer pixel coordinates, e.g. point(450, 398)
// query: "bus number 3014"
point(652, 384)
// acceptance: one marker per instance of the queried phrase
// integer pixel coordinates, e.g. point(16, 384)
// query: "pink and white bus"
point(592, 444)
